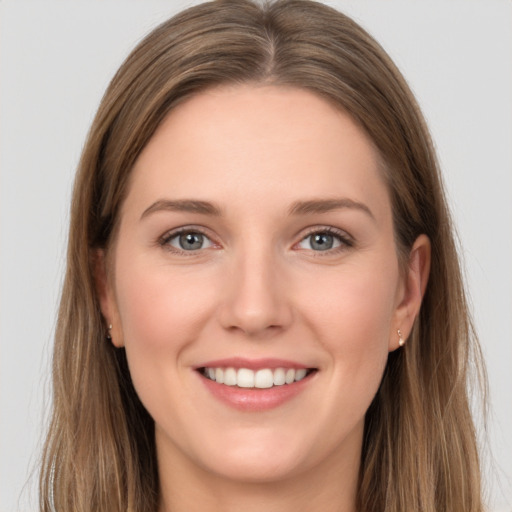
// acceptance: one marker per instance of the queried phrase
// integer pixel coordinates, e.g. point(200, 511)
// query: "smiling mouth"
point(264, 378)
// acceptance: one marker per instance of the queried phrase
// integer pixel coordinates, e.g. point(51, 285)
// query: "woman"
point(263, 305)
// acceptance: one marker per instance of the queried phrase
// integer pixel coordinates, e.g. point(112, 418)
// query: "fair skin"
point(318, 288)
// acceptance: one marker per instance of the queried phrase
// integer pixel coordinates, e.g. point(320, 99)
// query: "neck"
point(328, 487)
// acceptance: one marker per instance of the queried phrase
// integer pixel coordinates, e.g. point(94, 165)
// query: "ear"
point(412, 291)
point(106, 297)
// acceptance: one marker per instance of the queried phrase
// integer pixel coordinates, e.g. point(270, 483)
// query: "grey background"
point(56, 59)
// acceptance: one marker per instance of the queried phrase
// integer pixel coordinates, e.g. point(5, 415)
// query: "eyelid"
point(345, 239)
point(163, 240)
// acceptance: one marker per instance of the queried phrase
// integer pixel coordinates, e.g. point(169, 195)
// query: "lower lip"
point(255, 399)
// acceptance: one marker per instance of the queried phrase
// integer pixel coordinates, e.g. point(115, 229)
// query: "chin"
point(263, 454)
point(253, 454)
point(264, 466)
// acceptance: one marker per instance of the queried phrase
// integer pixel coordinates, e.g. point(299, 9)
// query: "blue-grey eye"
point(321, 241)
point(190, 241)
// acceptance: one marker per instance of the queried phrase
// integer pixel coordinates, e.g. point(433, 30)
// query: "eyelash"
point(345, 240)
point(165, 239)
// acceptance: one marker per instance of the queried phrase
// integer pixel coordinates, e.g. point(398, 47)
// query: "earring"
point(109, 336)
point(401, 341)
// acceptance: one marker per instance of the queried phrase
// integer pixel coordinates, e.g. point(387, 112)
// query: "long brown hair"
point(419, 450)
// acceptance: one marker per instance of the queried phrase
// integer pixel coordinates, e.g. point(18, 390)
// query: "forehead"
point(261, 142)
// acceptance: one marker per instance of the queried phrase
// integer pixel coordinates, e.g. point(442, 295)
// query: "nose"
point(255, 296)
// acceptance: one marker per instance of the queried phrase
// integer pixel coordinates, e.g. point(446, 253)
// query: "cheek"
point(353, 317)
point(158, 307)
point(161, 313)
point(362, 297)
point(354, 323)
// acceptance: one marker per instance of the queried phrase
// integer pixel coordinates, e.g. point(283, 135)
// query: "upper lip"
point(252, 364)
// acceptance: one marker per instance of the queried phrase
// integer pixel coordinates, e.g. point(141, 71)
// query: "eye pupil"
point(191, 241)
point(322, 241)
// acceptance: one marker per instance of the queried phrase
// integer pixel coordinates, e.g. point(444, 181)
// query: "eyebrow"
point(183, 205)
point(297, 208)
point(327, 205)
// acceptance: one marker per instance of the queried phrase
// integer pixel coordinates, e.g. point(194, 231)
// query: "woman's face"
point(255, 246)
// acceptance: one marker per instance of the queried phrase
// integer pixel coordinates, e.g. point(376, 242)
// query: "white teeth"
point(290, 376)
point(245, 378)
point(300, 374)
point(230, 377)
point(279, 377)
point(263, 379)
